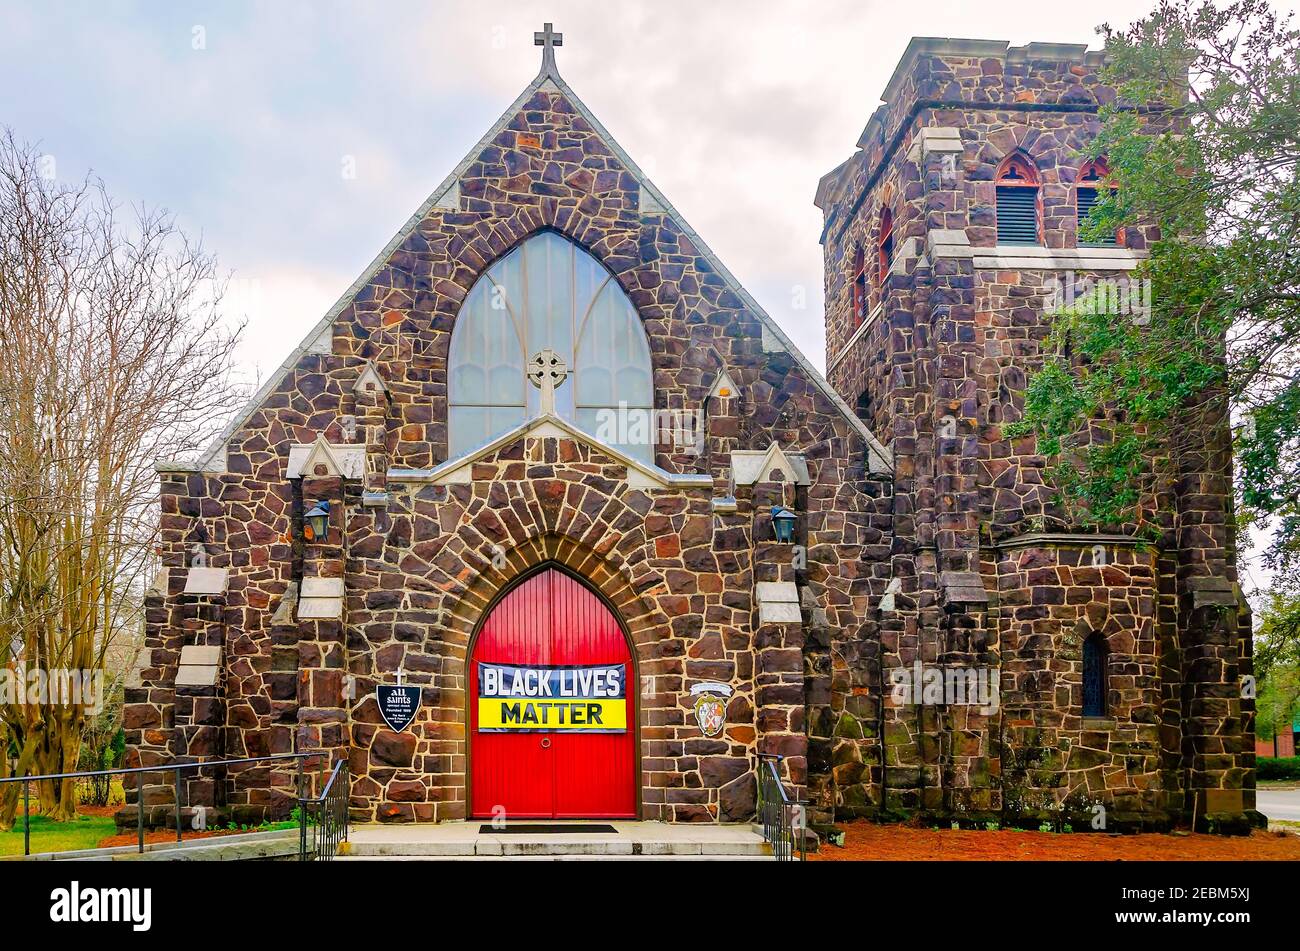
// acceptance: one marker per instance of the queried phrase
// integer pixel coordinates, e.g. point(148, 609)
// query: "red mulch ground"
point(159, 835)
point(868, 841)
point(150, 835)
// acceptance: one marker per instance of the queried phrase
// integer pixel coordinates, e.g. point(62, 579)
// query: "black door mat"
point(543, 828)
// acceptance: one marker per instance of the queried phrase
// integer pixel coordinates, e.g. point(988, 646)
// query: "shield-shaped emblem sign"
point(711, 706)
point(398, 704)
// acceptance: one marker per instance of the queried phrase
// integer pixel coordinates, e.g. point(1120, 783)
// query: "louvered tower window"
point(1094, 676)
point(1088, 191)
point(1018, 206)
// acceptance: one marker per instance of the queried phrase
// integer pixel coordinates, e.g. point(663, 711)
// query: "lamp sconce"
point(783, 524)
point(316, 523)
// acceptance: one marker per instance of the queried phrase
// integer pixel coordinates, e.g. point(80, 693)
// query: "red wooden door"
point(552, 620)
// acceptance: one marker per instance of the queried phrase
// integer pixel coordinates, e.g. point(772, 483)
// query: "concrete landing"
point(452, 840)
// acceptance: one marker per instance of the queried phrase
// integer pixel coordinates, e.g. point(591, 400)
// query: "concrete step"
point(486, 846)
point(554, 858)
point(629, 840)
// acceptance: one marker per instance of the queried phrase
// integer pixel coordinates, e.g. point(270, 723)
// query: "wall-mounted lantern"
point(783, 524)
point(317, 522)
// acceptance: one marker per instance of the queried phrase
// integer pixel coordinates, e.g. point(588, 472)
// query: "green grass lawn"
point(85, 832)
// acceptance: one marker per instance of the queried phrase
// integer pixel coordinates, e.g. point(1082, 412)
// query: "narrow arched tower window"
point(885, 248)
point(550, 294)
point(1090, 187)
point(1094, 676)
point(859, 288)
point(1019, 210)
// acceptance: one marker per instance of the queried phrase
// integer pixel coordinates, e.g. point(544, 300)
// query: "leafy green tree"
point(1277, 664)
point(1204, 142)
point(1277, 635)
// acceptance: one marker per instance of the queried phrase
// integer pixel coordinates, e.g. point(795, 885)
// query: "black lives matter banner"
point(533, 699)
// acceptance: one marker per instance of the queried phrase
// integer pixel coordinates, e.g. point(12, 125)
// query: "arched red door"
point(552, 706)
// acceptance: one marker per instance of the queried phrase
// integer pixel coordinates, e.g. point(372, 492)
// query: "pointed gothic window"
point(1089, 189)
point(1094, 676)
point(1019, 211)
point(548, 293)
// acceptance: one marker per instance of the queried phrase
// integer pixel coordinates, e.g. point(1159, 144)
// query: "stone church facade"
point(548, 373)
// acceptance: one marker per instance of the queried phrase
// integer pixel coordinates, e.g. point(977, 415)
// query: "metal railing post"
point(781, 817)
point(328, 813)
point(139, 812)
point(178, 804)
point(27, 819)
point(803, 831)
point(302, 810)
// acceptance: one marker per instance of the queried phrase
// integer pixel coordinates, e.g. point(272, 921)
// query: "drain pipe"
point(882, 742)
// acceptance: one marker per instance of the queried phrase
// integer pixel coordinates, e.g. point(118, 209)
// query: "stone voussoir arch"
point(482, 251)
point(639, 614)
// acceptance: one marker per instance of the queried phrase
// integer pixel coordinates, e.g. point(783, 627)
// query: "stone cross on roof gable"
point(548, 39)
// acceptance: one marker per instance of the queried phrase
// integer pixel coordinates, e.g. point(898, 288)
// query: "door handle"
point(546, 742)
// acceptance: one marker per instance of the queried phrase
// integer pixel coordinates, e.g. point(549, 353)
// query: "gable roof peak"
point(652, 201)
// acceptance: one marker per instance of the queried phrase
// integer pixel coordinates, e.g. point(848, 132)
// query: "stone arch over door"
point(645, 623)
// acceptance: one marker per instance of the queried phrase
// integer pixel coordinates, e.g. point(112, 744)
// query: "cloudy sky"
point(242, 118)
point(246, 119)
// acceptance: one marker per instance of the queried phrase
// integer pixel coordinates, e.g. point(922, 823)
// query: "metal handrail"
point(176, 768)
point(328, 816)
point(157, 769)
point(782, 817)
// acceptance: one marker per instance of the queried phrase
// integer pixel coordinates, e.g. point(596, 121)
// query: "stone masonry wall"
point(421, 566)
point(940, 368)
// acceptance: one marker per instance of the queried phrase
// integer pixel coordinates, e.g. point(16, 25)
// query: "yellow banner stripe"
point(527, 713)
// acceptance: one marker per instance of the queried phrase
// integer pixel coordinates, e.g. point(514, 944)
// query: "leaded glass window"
point(1094, 676)
point(548, 293)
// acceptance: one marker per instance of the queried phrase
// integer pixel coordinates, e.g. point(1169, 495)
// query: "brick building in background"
point(1282, 744)
point(455, 408)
